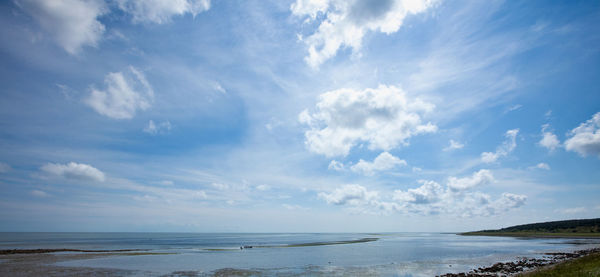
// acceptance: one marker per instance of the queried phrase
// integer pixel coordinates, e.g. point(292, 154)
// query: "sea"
point(294, 254)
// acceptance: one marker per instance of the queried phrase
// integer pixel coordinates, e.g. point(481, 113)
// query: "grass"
point(584, 266)
point(534, 234)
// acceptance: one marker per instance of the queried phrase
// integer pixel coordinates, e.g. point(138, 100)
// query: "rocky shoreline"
point(523, 265)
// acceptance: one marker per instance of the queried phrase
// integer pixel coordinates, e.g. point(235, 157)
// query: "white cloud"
point(544, 166)
point(220, 186)
point(510, 200)
point(161, 11)
point(4, 167)
point(335, 165)
point(217, 86)
point(349, 194)
point(479, 178)
point(453, 145)
point(199, 194)
point(456, 198)
point(39, 193)
point(294, 207)
point(161, 128)
point(585, 139)
point(74, 171)
point(501, 151)
point(385, 161)
point(384, 117)
point(432, 198)
point(429, 192)
point(124, 95)
point(72, 23)
point(263, 187)
point(514, 108)
point(549, 140)
point(344, 23)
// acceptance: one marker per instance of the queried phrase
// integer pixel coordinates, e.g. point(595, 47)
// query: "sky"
point(297, 115)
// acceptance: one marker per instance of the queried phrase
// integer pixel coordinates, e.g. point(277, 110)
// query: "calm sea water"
point(394, 254)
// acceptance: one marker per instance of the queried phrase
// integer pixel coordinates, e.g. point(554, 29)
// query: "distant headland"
point(575, 228)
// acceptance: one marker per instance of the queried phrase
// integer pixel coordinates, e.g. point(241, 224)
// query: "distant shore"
point(533, 234)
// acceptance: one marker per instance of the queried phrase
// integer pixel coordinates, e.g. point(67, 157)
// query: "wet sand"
point(41, 262)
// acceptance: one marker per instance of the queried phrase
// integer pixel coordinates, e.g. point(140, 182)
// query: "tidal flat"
point(224, 254)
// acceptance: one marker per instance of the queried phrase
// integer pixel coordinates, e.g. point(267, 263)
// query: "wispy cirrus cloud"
point(125, 93)
point(453, 145)
point(161, 11)
point(157, 128)
point(504, 149)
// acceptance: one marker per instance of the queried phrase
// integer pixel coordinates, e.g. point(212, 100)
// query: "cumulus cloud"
point(161, 11)
point(349, 194)
point(507, 146)
point(510, 201)
point(432, 198)
point(74, 171)
point(428, 192)
point(453, 145)
point(71, 23)
point(160, 128)
point(343, 23)
point(479, 178)
point(585, 139)
point(429, 198)
point(385, 161)
point(549, 140)
point(125, 94)
point(384, 117)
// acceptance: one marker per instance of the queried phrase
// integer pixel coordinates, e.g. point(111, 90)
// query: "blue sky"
point(297, 116)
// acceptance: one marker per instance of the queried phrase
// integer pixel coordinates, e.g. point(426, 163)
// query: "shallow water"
point(393, 254)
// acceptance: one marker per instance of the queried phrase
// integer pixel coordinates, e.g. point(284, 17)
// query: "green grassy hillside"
point(564, 228)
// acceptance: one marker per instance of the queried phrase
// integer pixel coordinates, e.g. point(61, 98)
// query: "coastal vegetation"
point(584, 266)
point(577, 228)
